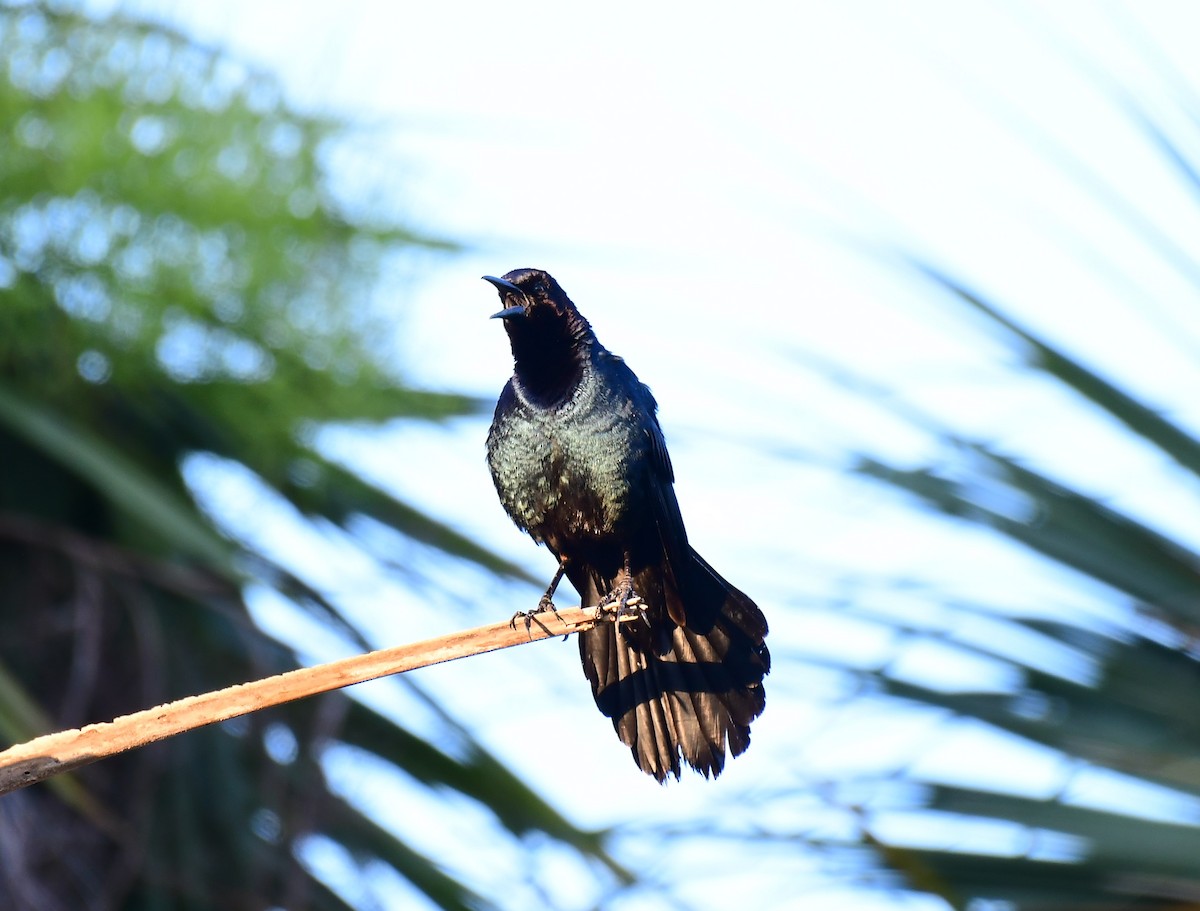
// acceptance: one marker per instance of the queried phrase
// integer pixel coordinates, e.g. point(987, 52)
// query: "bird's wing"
point(669, 521)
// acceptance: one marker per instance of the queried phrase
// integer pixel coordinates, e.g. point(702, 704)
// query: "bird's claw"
point(530, 616)
point(622, 603)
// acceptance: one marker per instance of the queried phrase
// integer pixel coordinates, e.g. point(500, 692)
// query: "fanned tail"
point(681, 694)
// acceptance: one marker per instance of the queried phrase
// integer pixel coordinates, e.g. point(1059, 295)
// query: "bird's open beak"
point(518, 310)
point(505, 288)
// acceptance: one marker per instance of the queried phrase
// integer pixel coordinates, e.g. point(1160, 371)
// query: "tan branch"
point(42, 757)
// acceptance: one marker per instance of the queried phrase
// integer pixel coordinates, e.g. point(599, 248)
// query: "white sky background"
point(715, 189)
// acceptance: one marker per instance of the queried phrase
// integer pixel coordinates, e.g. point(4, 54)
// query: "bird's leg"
point(622, 601)
point(545, 603)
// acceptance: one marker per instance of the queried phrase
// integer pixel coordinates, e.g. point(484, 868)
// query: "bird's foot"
point(530, 616)
point(621, 603)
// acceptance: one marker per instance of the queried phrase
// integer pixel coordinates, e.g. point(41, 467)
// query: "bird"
point(579, 462)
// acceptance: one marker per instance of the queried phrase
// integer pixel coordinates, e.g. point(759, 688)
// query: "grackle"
point(579, 462)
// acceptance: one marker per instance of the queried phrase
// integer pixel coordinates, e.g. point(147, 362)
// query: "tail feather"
point(678, 694)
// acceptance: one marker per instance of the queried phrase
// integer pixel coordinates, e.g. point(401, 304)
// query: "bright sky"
point(726, 196)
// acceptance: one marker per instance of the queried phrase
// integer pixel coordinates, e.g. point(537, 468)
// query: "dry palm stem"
point(50, 754)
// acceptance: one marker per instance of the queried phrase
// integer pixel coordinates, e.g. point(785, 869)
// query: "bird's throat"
point(549, 357)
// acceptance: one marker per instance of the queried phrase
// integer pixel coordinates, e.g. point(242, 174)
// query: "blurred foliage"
point(1107, 700)
point(177, 278)
point(1118, 704)
point(1135, 711)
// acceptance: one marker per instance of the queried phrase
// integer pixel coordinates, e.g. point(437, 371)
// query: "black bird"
point(579, 461)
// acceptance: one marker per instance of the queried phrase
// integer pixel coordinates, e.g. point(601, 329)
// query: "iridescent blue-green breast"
point(563, 472)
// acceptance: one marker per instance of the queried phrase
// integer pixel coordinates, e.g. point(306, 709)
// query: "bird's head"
point(550, 339)
point(529, 293)
point(537, 312)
